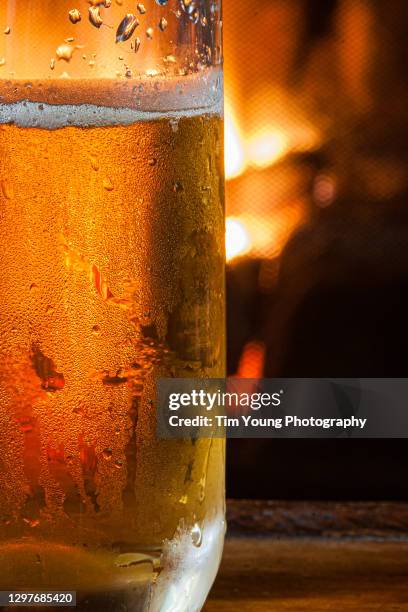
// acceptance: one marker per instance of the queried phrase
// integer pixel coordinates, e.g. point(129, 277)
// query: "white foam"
point(54, 116)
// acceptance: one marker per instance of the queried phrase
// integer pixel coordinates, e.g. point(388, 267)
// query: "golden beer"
point(111, 276)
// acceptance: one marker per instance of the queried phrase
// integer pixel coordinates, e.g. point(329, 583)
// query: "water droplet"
point(161, 2)
point(31, 522)
point(49, 309)
point(94, 162)
point(129, 559)
point(152, 161)
point(52, 63)
point(178, 187)
point(137, 44)
point(7, 30)
point(196, 535)
point(128, 73)
point(74, 16)
point(65, 52)
point(6, 189)
point(195, 16)
point(126, 27)
point(141, 8)
point(107, 183)
point(174, 124)
point(188, 6)
point(2, 61)
point(118, 464)
point(33, 286)
point(149, 33)
point(94, 15)
point(96, 330)
point(162, 24)
point(107, 454)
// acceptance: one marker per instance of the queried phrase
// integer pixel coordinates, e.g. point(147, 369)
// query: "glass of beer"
point(111, 276)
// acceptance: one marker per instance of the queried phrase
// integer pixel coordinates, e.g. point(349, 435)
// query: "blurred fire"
point(262, 202)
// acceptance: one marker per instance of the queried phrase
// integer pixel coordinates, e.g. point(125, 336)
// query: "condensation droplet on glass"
point(149, 33)
point(118, 464)
point(6, 189)
point(141, 8)
point(195, 16)
point(96, 330)
point(74, 16)
point(33, 287)
point(137, 44)
point(49, 309)
point(174, 124)
point(107, 183)
point(128, 72)
point(188, 6)
point(2, 61)
point(196, 535)
point(126, 28)
point(152, 161)
point(65, 52)
point(107, 454)
point(162, 24)
point(161, 2)
point(94, 15)
point(52, 63)
point(178, 187)
point(7, 30)
point(94, 162)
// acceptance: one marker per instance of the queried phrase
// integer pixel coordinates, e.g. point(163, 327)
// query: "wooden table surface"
point(344, 568)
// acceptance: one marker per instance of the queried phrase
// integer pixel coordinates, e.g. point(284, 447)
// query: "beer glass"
point(111, 276)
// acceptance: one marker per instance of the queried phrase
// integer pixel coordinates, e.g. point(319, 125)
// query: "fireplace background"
point(317, 229)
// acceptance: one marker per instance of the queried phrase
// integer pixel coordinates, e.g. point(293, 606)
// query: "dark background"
point(339, 305)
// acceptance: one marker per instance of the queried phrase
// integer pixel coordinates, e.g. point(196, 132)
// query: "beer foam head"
point(97, 103)
point(53, 117)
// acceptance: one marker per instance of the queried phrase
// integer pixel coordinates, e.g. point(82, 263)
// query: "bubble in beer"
point(96, 330)
point(149, 33)
point(126, 28)
point(141, 8)
point(74, 16)
point(95, 18)
point(196, 535)
point(162, 24)
point(7, 30)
